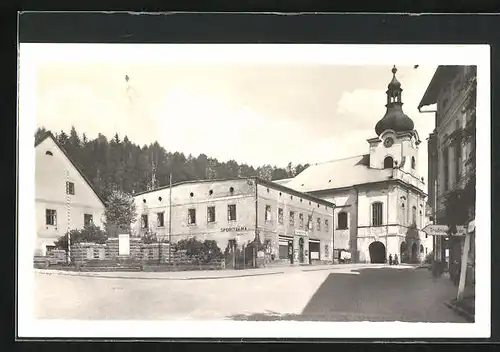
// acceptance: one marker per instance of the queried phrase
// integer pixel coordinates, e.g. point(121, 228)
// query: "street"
point(339, 294)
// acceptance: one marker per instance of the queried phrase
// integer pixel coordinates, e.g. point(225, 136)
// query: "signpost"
point(442, 230)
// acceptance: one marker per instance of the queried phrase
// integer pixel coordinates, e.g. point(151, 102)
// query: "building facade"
point(379, 197)
point(448, 91)
point(64, 199)
point(298, 227)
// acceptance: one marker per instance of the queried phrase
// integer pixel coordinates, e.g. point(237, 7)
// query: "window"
point(342, 220)
point(326, 225)
point(211, 214)
point(301, 220)
point(327, 251)
point(309, 222)
point(267, 215)
point(48, 152)
point(445, 168)
point(144, 221)
point(87, 220)
point(402, 215)
point(318, 224)
point(420, 219)
point(231, 212)
point(414, 215)
point(280, 215)
point(50, 217)
point(377, 214)
point(70, 188)
point(191, 216)
point(388, 162)
point(413, 162)
point(292, 218)
point(160, 219)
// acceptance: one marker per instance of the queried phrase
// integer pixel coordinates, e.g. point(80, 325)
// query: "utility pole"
point(68, 215)
point(170, 221)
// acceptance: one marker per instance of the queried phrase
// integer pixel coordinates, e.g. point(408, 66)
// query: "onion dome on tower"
point(394, 119)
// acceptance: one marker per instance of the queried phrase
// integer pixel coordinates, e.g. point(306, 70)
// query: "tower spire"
point(394, 119)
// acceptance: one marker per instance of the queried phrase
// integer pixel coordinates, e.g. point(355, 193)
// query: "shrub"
point(89, 233)
point(195, 249)
point(149, 237)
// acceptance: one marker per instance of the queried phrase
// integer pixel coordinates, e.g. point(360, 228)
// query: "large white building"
point(298, 226)
point(64, 198)
point(379, 196)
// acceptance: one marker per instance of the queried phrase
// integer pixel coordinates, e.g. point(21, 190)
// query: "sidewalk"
point(217, 274)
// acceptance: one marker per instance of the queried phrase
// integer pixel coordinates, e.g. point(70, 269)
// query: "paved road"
point(379, 294)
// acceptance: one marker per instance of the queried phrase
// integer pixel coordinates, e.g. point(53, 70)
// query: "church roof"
point(283, 181)
point(338, 174)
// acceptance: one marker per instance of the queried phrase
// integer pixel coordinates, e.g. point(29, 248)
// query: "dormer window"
point(413, 162)
point(388, 162)
point(48, 152)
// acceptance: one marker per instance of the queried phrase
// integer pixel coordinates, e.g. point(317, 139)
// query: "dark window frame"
point(191, 216)
point(70, 188)
point(51, 217)
point(231, 212)
point(211, 214)
point(85, 219)
point(160, 219)
point(341, 221)
point(377, 214)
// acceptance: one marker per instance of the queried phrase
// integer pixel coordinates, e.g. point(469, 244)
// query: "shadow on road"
point(376, 295)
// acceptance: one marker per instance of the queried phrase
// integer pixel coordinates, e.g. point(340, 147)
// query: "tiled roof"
point(338, 174)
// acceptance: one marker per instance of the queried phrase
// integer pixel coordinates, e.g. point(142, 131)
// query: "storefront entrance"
point(314, 250)
point(301, 250)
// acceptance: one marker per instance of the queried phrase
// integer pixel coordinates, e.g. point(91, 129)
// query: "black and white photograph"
point(231, 189)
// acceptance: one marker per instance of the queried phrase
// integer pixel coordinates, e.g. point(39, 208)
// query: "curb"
point(185, 278)
point(460, 311)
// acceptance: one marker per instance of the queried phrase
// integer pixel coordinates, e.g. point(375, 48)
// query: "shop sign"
point(442, 230)
point(300, 233)
point(234, 229)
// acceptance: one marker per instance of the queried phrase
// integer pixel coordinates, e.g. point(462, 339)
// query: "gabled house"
point(64, 198)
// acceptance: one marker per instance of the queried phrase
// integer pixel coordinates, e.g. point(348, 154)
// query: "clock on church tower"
point(388, 142)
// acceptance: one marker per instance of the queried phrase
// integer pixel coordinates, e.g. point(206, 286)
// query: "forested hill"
point(118, 162)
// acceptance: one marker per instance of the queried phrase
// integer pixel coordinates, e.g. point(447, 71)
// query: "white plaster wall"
point(50, 193)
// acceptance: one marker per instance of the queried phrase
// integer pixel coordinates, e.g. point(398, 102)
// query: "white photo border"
point(329, 54)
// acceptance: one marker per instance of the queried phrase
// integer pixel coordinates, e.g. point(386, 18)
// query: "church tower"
point(396, 144)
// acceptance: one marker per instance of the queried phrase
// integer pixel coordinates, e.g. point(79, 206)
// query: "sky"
point(253, 112)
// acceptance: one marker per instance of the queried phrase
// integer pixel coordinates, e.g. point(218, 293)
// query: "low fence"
point(142, 256)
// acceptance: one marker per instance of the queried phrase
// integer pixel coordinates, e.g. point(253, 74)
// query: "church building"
point(379, 197)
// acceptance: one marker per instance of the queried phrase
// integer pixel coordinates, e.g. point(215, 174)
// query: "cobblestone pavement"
point(377, 294)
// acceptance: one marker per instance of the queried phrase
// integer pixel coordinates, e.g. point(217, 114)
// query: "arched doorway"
point(403, 252)
point(414, 253)
point(301, 250)
point(377, 252)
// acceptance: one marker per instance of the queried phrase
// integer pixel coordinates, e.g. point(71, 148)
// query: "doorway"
point(414, 253)
point(377, 252)
point(301, 250)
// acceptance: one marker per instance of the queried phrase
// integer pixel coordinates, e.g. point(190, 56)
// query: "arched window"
point(402, 211)
point(342, 220)
point(421, 249)
point(414, 215)
point(413, 162)
point(377, 214)
point(388, 162)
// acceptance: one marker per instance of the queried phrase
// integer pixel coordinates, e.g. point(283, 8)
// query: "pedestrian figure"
point(390, 259)
point(396, 259)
